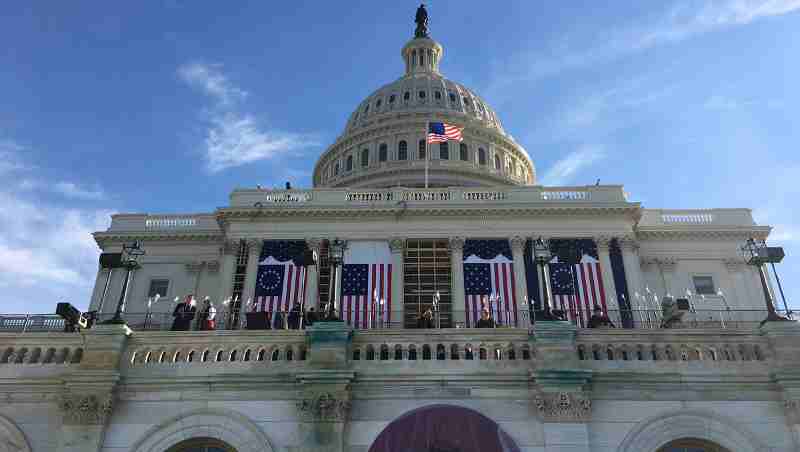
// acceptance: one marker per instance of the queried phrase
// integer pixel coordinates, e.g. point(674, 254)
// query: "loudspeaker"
point(72, 316)
point(111, 260)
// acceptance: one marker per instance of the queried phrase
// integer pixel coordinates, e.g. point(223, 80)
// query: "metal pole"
point(427, 151)
point(780, 288)
point(105, 291)
point(118, 313)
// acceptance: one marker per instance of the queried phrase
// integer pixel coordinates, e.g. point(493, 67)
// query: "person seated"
point(294, 317)
point(426, 319)
point(485, 321)
point(600, 320)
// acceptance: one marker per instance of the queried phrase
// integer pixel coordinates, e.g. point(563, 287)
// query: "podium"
point(258, 320)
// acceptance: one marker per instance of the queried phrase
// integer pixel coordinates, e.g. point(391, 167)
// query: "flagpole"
point(427, 151)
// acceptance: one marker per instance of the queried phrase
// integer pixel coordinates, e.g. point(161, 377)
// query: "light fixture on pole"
point(542, 255)
point(130, 260)
point(337, 248)
point(757, 253)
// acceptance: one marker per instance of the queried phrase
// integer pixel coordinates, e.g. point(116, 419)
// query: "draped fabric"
point(621, 284)
point(443, 428)
point(489, 282)
point(366, 280)
point(279, 282)
point(577, 289)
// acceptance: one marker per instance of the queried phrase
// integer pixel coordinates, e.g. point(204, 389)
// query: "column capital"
point(397, 244)
point(314, 243)
point(254, 244)
point(667, 264)
point(518, 243)
point(457, 243)
point(229, 247)
point(603, 242)
point(563, 406)
point(628, 242)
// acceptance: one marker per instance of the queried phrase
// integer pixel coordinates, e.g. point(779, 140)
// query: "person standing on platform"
point(485, 321)
point(184, 314)
point(208, 316)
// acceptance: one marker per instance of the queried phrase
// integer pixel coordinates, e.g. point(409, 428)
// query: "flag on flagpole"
point(439, 132)
point(489, 271)
point(366, 280)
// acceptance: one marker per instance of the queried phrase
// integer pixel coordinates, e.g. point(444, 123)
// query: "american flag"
point(489, 277)
point(439, 132)
point(279, 283)
point(577, 289)
point(363, 286)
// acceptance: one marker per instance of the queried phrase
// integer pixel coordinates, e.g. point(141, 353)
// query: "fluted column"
point(397, 245)
point(457, 279)
point(633, 269)
point(312, 277)
point(228, 253)
point(520, 283)
point(609, 287)
point(253, 253)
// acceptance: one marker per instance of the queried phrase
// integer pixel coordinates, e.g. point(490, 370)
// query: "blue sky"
point(167, 106)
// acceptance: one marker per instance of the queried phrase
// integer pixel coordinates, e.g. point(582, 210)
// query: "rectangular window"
point(704, 285)
point(158, 287)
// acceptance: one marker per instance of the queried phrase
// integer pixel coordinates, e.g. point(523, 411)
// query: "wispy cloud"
point(681, 21)
point(73, 191)
point(47, 253)
point(563, 171)
point(235, 137)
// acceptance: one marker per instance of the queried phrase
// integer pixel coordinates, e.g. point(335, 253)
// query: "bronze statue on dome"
point(421, 20)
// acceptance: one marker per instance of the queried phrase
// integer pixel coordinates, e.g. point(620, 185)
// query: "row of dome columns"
point(628, 246)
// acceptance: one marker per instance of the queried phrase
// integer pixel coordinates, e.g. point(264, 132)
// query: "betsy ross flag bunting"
point(439, 132)
point(366, 280)
point(489, 279)
point(577, 289)
point(279, 282)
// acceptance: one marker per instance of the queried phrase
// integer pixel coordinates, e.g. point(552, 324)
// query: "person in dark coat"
point(485, 321)
point(426, 319)
point(311, 317)
point(184, 314)
point(294, 317)
point(600, 320)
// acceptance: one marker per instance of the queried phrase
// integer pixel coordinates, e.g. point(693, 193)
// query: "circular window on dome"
point(422, 94)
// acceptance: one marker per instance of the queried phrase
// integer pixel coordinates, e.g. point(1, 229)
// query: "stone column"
point(312, 277)
point(397, 246)
point(603, 243)
point(253, 253)
point(633, 269)
point(457, 280)
point(227, 253)
point(520, 282)
point(87, 399)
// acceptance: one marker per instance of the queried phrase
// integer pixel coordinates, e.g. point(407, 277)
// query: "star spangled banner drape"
point(489, 277)
point(366, 279)
point(279, 283)
point(577, 286)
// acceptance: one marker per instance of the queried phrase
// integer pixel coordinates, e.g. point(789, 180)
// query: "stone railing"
point(170, 349)
point(454, 196)
point(178, 222)
point(40, 349)
point(504, 344)
point(699, 217)
point(671, 345)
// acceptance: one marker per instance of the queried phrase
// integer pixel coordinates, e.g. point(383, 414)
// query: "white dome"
point(383, 141)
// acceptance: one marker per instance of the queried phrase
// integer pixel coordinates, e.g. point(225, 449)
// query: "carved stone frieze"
point(563, 406)
point(212, 266)
point(86, 409)
point(194, 267)
point(324, 407)
point(397, 245)
point(792, 411)
point(734, 265)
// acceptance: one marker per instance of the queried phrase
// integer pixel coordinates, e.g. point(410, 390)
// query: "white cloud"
point(47, 253)
point(234, 137)
point(683, 20)
point(563, 170)
point(73, 191)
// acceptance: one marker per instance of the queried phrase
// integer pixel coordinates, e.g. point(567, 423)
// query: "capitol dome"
point(383, 144)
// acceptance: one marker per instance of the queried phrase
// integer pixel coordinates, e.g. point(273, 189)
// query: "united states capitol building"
point(398, 227)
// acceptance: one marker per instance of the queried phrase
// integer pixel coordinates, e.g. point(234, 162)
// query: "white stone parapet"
point(696, 217)
point(167, 222)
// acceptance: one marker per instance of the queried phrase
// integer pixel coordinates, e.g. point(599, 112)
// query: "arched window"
point(402, 150)
point(444, 151)
point(452, 97)
point(437, 95)
point(349, 165)
point(497, 162)
point(413, 57)
point(407, 95)
point(481, 156)
point(383, 152)
point(201, 445)
point(336, 169)
point(365, 157)
point(691, 445)
point(421, 94)
point(463, 152)
point(355, 117)
point(422, 149)
point(421, 57)
point(391, 98)
point(378, 103)
point(366, 109)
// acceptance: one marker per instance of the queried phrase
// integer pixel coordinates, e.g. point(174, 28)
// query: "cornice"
point(703, 233)
point(108, 237)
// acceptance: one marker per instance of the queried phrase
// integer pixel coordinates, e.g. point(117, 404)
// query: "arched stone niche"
point(11, 437)
point(227, 426)
point(655, 432)
point(443, 428)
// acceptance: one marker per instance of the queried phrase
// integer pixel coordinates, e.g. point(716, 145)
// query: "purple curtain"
point(443, 428)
